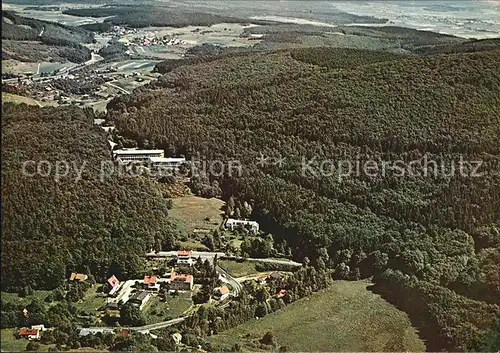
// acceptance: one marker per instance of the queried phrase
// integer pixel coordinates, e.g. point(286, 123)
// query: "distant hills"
point(31, 40)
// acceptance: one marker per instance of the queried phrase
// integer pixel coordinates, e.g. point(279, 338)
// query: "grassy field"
point(9, 342)
point(157, 311)
point(14, 98)
point(194, 211)
point(238, 269)
point(345, 317)
point(93, 300)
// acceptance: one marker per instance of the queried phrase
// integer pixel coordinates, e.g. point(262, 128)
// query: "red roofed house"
point(281, 293)
point(151, 282)
point(125, 332)
point(221, 293)
point(114, 284)
point(29, 333)
point(181, 281)
point(184, 257)
point(78, 277)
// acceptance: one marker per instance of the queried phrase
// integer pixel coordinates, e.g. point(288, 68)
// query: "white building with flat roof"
point(158, 163)
point(134, 154)
point(231, 224)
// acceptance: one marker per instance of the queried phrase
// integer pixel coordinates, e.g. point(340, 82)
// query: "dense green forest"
point(80, 221)
point(28, 39)
point(429, 237)
point(157, 16)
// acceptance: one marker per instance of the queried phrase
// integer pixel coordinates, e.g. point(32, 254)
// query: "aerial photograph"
point(250, 176)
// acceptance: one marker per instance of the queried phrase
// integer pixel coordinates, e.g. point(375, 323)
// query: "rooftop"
point(150, 279)
point(113, 281)
point(94, 330)
point(28, 331)
point(141, 295)
point(245, 221)
point(223, 290)
point(281, 293)
point(181, 277)
point(78, 276)
point(166, 160)
point(184, 253)
point(274, 275)
point(136, 151)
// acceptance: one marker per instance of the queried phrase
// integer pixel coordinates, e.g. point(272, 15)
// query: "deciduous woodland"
point(430, 241)
point(80, 221)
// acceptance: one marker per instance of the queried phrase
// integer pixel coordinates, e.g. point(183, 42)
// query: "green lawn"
point(157, 310)
point(9, 342)
point(94, 299)
point(345, 317)
point(238, 269)
point(193, 245)
point(14, 98)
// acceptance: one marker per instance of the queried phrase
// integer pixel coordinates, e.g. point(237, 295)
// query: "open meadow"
point(345, 317)
point(197, 214)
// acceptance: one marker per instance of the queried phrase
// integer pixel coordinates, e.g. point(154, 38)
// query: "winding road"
point(118, 87)
point(157, 326)
point(226, 277)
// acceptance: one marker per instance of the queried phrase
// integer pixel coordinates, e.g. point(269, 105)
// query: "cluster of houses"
point(150, 284)
point(165, 40)
point(121, 31)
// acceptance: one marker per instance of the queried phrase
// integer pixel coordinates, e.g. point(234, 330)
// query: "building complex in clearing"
point(231, 224)
point(132, 154)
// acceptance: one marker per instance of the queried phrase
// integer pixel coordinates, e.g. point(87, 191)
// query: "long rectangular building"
point(158, 163)
point(129, 155)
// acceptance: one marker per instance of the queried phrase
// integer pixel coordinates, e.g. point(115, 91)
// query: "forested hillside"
point(53, 226)
point(156, 16)
point(28, 39)
point(430, 236)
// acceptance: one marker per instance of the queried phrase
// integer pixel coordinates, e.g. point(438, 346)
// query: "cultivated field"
point(345, 317)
